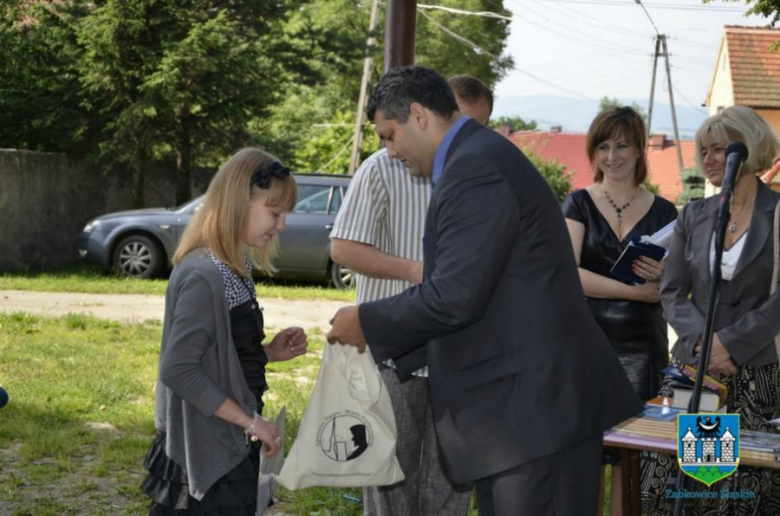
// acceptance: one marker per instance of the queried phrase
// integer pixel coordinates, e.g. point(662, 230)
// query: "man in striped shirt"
point(378, 233)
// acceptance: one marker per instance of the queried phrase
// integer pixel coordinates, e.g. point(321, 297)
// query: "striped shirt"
point(385, 207)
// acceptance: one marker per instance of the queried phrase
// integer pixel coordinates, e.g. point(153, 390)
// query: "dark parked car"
point(139, 243)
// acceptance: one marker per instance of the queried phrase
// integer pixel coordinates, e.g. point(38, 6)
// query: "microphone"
point(736, 155)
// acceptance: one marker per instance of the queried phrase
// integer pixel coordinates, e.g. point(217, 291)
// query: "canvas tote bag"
point(347, 435)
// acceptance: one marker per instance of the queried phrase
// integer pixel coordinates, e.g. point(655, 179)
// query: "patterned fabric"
point(385, 207)
point(753, 394)
point(238, 290)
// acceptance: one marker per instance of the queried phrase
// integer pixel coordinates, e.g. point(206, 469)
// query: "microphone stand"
point(724, 213)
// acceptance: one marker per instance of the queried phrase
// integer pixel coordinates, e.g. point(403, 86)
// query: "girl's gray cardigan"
point(199, 369)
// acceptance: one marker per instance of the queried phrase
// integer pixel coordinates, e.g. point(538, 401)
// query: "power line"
point(688, 101)
point(458, 37)
point(617, 3)
point(473, 45)
point(484, 14)
point(592, 21)
point(569, 34)
point(326, 165)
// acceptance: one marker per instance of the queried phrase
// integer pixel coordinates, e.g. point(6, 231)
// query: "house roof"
point(569, 150)
point(664, 168)
point(755, 69)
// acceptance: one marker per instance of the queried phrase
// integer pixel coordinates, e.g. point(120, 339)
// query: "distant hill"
point(575, 115)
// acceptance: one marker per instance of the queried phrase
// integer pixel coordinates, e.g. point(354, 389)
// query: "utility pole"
point(400, 27)
point(652, 86)
point(660, 43)
point(357, 138)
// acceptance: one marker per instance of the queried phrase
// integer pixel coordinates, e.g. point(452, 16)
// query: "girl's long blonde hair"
point(220, 224)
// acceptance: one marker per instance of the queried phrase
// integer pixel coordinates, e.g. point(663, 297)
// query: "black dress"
point(236, 492)
point(636, 330)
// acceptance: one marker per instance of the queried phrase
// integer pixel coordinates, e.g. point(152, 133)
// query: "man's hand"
point(345, 328)
point(287, 345)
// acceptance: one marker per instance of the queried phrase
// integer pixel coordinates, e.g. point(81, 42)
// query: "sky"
point(588, 49)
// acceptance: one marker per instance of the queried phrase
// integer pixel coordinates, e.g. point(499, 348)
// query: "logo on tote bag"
point(344, 436)
point(708, 445)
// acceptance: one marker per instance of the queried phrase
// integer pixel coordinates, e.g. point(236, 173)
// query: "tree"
point(301, 129)
point(553, 172)
point(179, 77)
point(765, 8)
point(612, 103)
point(40, 103)
point(693, 186)
point(515, 123)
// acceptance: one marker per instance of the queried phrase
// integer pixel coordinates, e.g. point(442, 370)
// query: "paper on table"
point(266, 484)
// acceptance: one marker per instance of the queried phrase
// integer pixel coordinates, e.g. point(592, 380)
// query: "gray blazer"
point(199, 369)
point(746, 325)
point(518, 367)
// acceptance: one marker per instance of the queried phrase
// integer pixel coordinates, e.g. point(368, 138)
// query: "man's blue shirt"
point(444, 147)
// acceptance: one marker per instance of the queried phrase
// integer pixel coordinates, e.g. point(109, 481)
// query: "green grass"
point(92, 280)
point(66, 375)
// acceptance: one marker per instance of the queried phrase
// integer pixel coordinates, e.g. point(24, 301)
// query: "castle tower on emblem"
point(727, 446)
point(689, 446)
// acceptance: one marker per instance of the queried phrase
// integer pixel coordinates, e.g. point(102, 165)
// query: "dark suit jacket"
point(518, 367)
point(749, 323)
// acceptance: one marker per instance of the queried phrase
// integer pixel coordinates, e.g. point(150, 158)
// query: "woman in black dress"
point(602, 219)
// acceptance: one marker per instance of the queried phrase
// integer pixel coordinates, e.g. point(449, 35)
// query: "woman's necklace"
point(619, 209)
point(733, 221)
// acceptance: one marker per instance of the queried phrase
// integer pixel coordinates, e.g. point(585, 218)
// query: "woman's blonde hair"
point(220, 224)
point(741, 124)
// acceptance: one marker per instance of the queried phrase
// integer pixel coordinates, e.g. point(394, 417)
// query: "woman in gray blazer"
point(747, 317)
point(212, 360)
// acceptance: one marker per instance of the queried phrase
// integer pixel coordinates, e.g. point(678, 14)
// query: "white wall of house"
point(721, 93)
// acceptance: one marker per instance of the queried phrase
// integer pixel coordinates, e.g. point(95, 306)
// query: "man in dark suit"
point(522, 380)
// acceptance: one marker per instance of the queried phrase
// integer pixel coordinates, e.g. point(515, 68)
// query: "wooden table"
point(639, 434)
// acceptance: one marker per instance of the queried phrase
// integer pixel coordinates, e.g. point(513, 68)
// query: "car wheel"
point(138, 256)
point(341, 277)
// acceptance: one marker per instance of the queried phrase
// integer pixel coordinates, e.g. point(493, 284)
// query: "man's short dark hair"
point(400, 87)
point(470, 89)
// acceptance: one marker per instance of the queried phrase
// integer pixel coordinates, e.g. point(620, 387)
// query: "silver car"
point(139, 243)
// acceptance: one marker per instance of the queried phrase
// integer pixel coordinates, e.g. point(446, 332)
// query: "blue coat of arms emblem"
point(708, 445)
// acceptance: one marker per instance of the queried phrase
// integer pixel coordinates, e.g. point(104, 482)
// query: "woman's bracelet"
point(252, 428)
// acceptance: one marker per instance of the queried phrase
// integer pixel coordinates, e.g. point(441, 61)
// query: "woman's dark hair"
point(400, 87)
point(615, 123)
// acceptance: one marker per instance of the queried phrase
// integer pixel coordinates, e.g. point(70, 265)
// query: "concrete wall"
point(46, 199)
